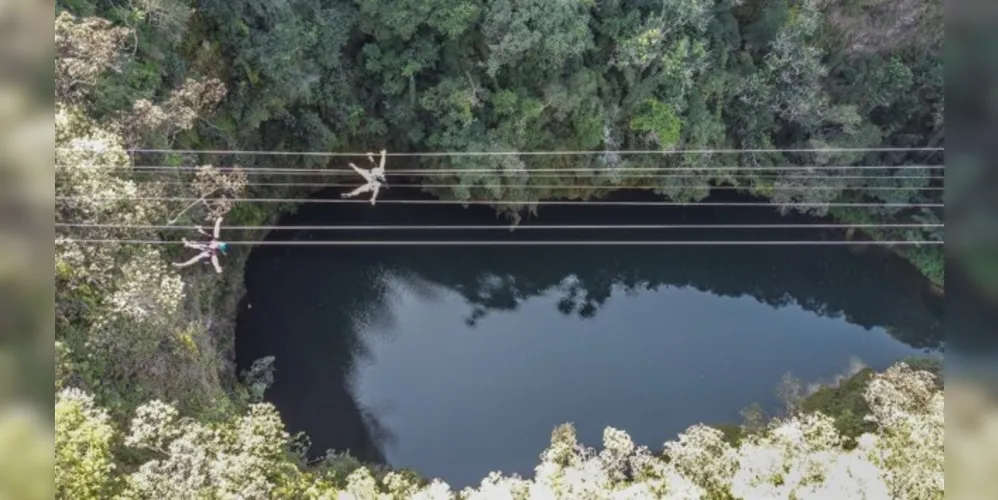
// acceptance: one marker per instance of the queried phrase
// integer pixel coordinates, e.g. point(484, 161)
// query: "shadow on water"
point(308, 303)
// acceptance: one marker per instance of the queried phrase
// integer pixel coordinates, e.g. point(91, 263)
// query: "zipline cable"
point(511, 153)
point(458, 227)
point(417, 171)
point(512, 243)
point(553, 186)
point(624, 175)
point(505, 202)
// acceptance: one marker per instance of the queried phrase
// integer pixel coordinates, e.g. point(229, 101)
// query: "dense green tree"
point(536, 36)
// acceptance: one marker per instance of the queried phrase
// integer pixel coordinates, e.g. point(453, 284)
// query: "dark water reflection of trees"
point(342, 291)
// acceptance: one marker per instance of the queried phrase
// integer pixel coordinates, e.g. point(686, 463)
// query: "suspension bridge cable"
point(541, 186)
point(423, 171)
point(513, 243)
point(510, 153)
point(505, 202)
point(459, 227)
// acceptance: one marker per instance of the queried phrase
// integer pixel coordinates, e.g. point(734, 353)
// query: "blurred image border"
point(26, 249)
point(971, 370)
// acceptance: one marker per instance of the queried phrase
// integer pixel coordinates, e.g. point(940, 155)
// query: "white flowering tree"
point(246, 457)
point(249, 456)
point(121, 314)
point(908, 409)
point(128, 327)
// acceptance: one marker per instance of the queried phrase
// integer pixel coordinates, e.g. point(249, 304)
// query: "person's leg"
point(193, 260)
point(214, 262)
point(218, 227)
point(362, 189)
point(374, 193)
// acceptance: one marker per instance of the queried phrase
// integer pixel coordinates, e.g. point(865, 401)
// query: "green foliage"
point(845, 404)
point(765, 19)
point(732, 433)
point(402, 19)
point(660, 121)
point(259, 377)
point(933, 366)
point(928, 259)
point(84, 463)
point(545, 36)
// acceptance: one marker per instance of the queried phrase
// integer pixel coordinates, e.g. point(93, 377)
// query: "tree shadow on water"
point(316, 309)
point(500, 279)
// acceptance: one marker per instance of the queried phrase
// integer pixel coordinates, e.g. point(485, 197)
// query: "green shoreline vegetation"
point(148, 401)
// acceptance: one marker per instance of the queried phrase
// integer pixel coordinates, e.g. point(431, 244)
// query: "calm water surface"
point(457, 361)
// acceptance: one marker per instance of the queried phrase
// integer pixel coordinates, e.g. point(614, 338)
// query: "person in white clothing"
point(375, 179)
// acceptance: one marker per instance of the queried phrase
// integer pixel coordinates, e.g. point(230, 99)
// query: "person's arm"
point(214, 262)
point(192, 261)
point(379, 171)
point(362, 172)
point(218, 227)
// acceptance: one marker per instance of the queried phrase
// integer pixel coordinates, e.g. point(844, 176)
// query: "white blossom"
point(702, 455)
point(910, 413)
point(247, 457)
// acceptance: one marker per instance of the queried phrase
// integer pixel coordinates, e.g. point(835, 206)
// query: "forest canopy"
point(530, 75)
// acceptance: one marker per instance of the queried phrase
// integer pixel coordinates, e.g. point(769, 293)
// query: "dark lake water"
point(457, 361)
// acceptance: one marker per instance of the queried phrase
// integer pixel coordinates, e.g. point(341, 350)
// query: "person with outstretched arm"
point(375, 179)
point(208, 250)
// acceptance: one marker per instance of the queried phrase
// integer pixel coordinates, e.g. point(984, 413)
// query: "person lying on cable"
point(375, 179)
point(208, 250)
